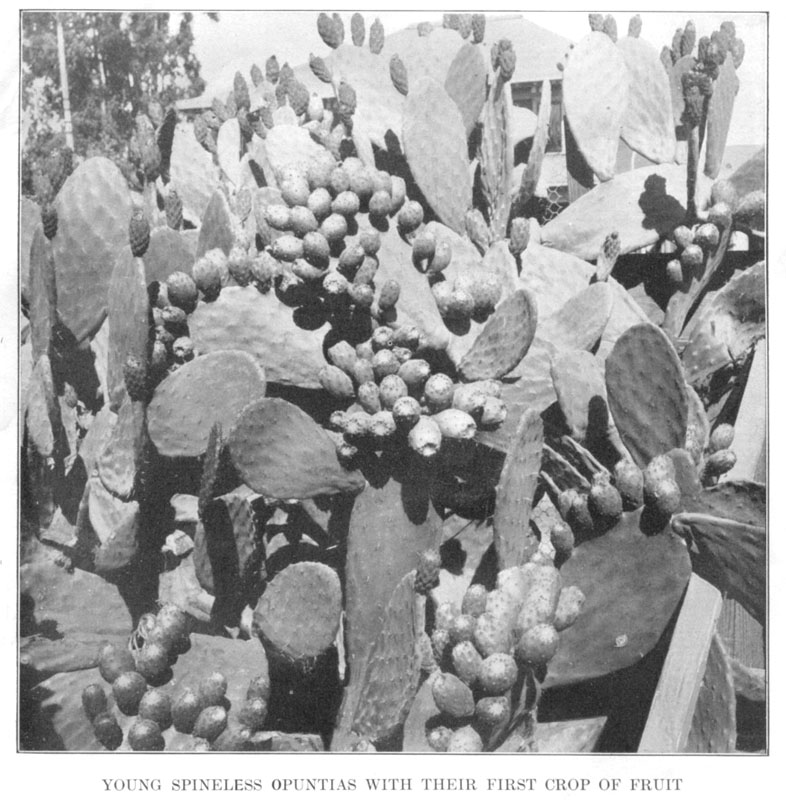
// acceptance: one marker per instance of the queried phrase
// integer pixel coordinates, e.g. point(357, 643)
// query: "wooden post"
point(674, 703)
point(69, 134)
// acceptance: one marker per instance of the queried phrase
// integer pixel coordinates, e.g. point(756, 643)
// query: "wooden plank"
point(750, 428)
point(674, 703)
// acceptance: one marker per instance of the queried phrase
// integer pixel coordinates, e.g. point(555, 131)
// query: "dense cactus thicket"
point(328, 444)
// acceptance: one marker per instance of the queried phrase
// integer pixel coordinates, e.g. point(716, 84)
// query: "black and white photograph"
point(390, 382)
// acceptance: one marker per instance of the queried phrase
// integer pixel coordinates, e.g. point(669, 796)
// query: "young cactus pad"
point(514, 541)
point(298, 615)
point(504, 341)
point(211, 388)
point(281, 452)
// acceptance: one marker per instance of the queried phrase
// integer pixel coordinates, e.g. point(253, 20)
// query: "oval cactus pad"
point(632, 583)
point(281, 452)
point(647, 393)
point(596, 88)
point(435, 143)
point(211, 388)
point(93, 209)
point(648, 125)
point(298, 614)
point(504, 341)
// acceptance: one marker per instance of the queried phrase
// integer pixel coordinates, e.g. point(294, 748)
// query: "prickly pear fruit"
point(145, 735)
point(427, 574)
point(410, 217)
point(438, 391)
point(128, 689)
point(569, 605)
point(210, 723)
point(452, 697)
point(182, 291)
point(439, 738)
point(107, 731)
point(538, 645)
point(376, 37)
point(467, 662)
point(138, 233)
point(49, 220)
point(719, 463)
point(157, 706)
point(604, 501)
point(465, 740)
point(562, 539)
point(94, 700)
point(629, 481)
point(498, 673)
point(113, 661)
point(425, 438)
point(455, 424)
point(491, 635)
point(721, 437)
point(185, 711)
point(152, 661)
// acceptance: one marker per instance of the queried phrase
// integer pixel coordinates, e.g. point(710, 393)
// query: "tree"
point(119, 65)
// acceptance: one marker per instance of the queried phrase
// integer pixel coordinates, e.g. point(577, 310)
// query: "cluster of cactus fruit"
point(332, 332)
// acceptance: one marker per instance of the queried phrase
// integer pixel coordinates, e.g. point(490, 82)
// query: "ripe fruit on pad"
point(537, 645)
point(138, 233)
point(113, 661)
point(128, 690)
point(474, 601)
point(467, 662)
point(93, 700)
point(107, 731)
point(210, 723)
point(185, 711)
point(182, 291)
point(439, 738)
point(156, 705)
point(452, 696)
point(498, 673)
point(212, 690)
point(427, 574)
point(629, 481)
point(152, 662)
point(465, 740)
point(253, 713)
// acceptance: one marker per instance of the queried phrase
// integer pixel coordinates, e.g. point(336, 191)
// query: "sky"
point(242, 38)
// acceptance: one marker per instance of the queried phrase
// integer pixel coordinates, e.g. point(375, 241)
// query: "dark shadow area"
point(661, 210)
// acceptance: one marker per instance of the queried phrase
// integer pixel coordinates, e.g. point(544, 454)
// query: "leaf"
point(513, 539)
point(434, 140)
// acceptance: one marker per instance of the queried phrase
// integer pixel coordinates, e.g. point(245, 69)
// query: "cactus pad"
point(228, 144)
point(648, 124)
point(727, 324)
point(93, 210)
point(579, 324)
point(392, 523)
point(393, 669)
point(531, 176)
point(553, 277)
point(192, 172)
point(169, 251)
point(533, 389)
point(116, 525)
point(719, 113)
point(129, 325)
point(513, 539)
point(42, 412)
point(435, 143)
point(243, 319)
point(731, 555)
point(581, 391)
point(466, 84)
point(625, 313)
point(504, 340)
point(633, 583)
point(379, 105)
point(298, 615)
point(29, 221)
point(641, 205)
point(741, 501)
point(42, 293)
point(596, 89)
point(647, 393)
point(288, 146)
point(216, 230)
point(211, 388)
point(281, 452)
point(117, 464)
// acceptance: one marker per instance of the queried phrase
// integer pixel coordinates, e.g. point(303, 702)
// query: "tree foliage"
point(120, 65)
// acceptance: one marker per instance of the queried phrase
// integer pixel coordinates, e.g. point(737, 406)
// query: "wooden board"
point(674, 703)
